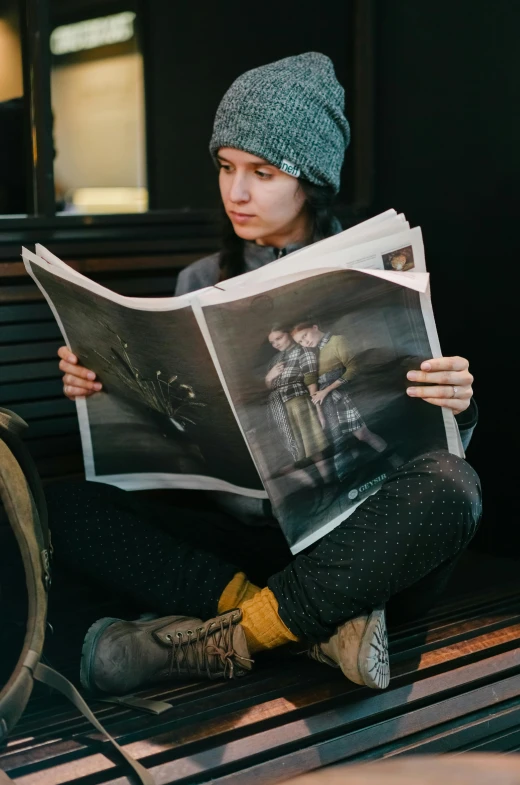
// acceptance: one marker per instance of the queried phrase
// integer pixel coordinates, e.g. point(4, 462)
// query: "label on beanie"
point(290, 168)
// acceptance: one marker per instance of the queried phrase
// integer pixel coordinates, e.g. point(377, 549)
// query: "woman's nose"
point(239, 191)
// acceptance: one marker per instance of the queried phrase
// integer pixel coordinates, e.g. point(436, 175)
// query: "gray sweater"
point(206, 272)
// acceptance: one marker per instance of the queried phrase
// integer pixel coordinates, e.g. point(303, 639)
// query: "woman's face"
point(280, 340)
point(263, 203)
point(309, 336)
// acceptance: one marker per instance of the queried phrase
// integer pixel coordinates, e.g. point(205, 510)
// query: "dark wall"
point(448, 154)
point(195, 51)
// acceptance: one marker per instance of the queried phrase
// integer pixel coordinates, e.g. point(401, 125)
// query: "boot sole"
point(88, 652)
point(373, 663)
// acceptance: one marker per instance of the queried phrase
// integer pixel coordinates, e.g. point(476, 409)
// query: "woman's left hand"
point(319, 396)
point(452, 381)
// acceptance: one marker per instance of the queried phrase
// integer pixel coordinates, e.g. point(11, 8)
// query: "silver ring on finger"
point(455, 391)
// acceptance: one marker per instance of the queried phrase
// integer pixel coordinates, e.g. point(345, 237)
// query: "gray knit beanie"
point(291, 113)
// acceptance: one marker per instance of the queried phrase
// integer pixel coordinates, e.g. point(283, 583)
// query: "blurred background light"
point(92, 33)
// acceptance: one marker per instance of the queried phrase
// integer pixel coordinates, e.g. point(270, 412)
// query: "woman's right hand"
point(275, 371)
point(78, 382)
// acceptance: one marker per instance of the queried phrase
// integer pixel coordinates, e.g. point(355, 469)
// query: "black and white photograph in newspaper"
point(162, 419)
point(316, 370)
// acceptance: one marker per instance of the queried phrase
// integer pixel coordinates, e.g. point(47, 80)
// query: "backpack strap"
point(23, 517)
point(12, 428)
point(58, 682)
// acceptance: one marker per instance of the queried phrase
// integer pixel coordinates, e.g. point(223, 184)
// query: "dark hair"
point(318, 203)
point(279, 328)
point(302, 326)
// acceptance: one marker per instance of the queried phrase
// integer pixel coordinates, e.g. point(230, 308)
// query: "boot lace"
point(195, 642)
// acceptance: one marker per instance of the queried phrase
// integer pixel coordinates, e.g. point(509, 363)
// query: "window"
point(13, 140)
point(97, 95)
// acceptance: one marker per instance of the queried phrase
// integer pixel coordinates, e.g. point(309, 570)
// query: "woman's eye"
point(263, 175)
point(225, 167)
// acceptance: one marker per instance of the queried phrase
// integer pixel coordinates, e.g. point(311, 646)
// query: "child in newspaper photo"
point(215, 575)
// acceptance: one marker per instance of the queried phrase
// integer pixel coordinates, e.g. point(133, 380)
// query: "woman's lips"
point(240, 217)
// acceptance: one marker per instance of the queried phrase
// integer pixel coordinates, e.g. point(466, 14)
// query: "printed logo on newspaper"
point(353, 494)
point(290, 168)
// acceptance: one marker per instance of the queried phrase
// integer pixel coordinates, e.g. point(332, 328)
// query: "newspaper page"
point(163, 418)
point(352, 333)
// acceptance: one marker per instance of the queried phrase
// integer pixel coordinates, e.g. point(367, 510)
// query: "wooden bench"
point(455, 687)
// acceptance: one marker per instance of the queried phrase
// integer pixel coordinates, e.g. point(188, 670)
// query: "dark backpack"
point(22, 496)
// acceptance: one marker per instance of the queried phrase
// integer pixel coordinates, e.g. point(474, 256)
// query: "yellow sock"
point(238, 590)
point(263, 627)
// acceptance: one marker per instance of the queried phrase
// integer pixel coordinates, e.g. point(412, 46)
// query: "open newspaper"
point(288, 382)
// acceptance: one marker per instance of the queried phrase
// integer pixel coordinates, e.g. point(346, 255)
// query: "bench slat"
point(49, 428)
point(34, 331)
point(151, 286)
point(31, 370)
point(29, 351)
point(56, 407)
point(23, 313)
point(13, 394)
point(20, 294)
point(16, 269)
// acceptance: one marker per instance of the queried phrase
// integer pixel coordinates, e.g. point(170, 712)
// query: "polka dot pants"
point(177, 560)
point(420, 519)
point(123, 544)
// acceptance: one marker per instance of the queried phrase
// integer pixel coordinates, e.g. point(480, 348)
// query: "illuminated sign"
point(92, 33)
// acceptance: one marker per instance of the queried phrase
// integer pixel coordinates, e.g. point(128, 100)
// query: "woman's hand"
point(320, 396)
point(78, 382)
point(452, 381)
point(275, 371)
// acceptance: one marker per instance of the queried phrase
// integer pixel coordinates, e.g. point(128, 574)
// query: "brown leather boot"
point(360, 648)
point(120, 656)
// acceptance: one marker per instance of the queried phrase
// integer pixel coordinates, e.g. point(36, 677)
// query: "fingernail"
point(65, 389)
point(97, 386)
point(412, 375)
point(71, 359)
point(411, 391)
point(91, 375)
point(426, 366)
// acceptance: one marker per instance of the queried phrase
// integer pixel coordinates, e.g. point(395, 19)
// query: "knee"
point(452, 478)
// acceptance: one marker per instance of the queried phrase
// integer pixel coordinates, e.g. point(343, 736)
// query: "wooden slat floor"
point(455, 687)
